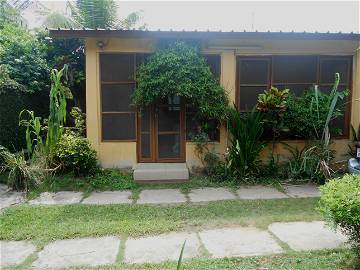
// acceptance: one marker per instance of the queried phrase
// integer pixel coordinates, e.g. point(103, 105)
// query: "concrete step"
point(161, 172)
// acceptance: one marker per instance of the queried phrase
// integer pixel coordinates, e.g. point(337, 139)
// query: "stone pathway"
point(219, 243)
point(76, 252)
point(307, 235)
point(63, 197)
point(9, 198)
point(211, 194)
point(15, 252)
point(160, 196)
point(109, 197)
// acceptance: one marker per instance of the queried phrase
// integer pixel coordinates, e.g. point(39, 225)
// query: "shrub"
point(22, 174)
point(75, 154)
point(24, 82)
point(340, 204)
point(306, 115)
point(246, 131)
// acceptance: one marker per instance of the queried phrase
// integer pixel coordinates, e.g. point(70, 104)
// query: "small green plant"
point(54, 125)
point(22, 175)
point(340, 205)
point(355, 138)
point(33, 133)
point(246, 145)
point(75, 154)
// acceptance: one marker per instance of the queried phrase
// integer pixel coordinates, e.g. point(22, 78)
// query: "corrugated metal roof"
point(88, 32)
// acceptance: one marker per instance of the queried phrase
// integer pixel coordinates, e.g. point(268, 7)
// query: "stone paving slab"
point(108, 197)
point(15, 252)
point(63, 197)
point(241, 242)
point(76, 252)
point(307, 235)
point(156, 196)
point(211, 194)
point(302, 191)
point(259, 193)
point(156, 249)
point(11, 198)
point(3, 189)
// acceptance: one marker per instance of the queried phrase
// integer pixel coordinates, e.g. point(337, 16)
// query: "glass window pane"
point(145, 145)
point(331, 66)
point(327, 88)
point(145, 120)
point(169, 118)
point(117, 67)
point(116, 97)
point(294, 69)
point(169, 145)
point(118, 126)
point(254, 71)
point(249, 96)
point(214, 62)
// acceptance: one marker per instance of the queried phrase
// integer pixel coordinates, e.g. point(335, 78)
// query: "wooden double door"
point(161, 131)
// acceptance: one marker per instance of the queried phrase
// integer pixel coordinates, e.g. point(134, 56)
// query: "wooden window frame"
point(135, 113)
point(320, 58)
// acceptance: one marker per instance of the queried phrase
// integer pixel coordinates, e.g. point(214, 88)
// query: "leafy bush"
point(75, 154)
point(340, 204)
point(246, 131)
point(306, 115)
point(179, 69)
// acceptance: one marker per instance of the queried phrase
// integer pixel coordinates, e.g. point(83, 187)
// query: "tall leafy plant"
point(58, 94)
point(245, 137)
point(54, 125)
point(315, 159)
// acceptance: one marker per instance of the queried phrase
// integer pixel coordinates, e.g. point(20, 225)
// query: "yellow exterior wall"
point(123, 154)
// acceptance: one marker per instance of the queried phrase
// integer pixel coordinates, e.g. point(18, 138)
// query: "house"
point(246, 63)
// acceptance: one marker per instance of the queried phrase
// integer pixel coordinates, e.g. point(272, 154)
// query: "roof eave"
point(111, 33)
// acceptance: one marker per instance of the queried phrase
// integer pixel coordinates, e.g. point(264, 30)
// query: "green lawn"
point(46, 223)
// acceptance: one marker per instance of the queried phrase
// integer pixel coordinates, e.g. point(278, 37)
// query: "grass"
point(46, 223)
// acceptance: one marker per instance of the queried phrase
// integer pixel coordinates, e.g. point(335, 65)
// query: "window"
point(297, 73)
point(212, 126)
point(118, 118)
point(253, 76)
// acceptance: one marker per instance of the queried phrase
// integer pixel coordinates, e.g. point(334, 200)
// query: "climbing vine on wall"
point(179, 69)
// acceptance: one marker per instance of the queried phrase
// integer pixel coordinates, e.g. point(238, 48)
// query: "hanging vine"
point(179, 69)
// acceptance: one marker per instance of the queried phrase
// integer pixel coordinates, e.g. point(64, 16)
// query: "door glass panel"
point(145, 120)
point(145, 145)
point(169, 118)
point(169, 145)
point(145, 133)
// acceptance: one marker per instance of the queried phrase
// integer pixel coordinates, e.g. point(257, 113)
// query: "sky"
point(311, 16)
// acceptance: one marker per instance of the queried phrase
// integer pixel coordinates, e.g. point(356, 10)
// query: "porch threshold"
point(161, 173)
